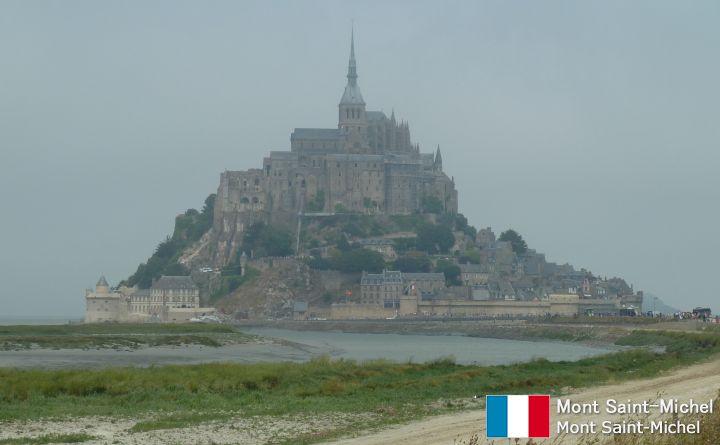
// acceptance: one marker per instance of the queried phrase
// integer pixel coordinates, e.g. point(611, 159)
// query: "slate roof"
point(375, 115)
point(317, 133)
point(102, 281)
point(387, 277)
point(174, 282)
point(432, 276)
point(470, 268)
point(352, 95)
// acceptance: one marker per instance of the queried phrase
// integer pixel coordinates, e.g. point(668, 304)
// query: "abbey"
point(368, 164)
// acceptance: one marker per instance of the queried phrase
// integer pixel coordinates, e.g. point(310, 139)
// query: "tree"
point(317, 204)
point(461, 224)
point(343, 245)
point(519, 246)
point(413, 262)
point(434, 239)
point(189, 227)
point(266, 240)
point(358, 260)
point(176, 269)
point(431, 204)
point(471, 256)
point(451, 271)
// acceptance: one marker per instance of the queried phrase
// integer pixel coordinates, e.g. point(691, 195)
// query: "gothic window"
point(244, 184)
point(302, 183)
point(257, 181)
point(255, 200)
point(347, 113)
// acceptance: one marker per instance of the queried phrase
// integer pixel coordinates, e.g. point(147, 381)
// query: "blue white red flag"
point(518, 416)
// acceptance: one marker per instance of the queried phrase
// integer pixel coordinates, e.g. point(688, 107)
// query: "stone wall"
point(349, 311)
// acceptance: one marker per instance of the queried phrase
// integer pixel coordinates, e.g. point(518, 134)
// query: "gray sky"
point(589, 127)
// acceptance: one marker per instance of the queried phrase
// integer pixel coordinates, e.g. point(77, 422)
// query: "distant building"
point(386, 288)
point(103, 305)
point(381, 289)
point(473, 274)
point(169, 299)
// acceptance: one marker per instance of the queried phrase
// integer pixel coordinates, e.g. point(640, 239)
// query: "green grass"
point(51, 438)
point(118, 336)
point(195, 393)
point(171, 421)
point(584, 319)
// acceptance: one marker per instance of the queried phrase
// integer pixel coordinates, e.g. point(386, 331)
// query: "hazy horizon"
point(587, 127)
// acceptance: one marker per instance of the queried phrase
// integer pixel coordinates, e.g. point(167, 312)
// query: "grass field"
point(126, 336)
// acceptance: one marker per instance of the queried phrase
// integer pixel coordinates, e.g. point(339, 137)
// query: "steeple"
point(438, 159)
point(352, 65)
point(352, 119)
point(352, 95)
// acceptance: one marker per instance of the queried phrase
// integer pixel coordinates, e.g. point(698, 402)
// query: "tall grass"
point(117, 336)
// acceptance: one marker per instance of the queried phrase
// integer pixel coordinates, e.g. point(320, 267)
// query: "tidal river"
point(300, 346)
point(422, 348)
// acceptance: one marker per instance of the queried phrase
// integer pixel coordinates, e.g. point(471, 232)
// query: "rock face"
point(279, 283)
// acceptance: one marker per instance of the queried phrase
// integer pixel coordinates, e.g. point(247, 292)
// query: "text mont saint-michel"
point(645, 408)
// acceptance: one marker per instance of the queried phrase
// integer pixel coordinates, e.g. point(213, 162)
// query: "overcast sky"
point(589, 127)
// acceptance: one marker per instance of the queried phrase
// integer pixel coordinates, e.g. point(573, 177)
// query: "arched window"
point(255, 200)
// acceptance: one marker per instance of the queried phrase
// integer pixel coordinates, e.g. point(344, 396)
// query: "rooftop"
point(174, 282)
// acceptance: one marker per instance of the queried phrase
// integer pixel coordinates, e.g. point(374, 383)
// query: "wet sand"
point(279, 345)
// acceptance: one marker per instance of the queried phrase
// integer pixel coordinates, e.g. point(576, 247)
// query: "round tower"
point(102, 286)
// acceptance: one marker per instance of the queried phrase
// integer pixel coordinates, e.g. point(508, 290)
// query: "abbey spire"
point(352, 119)
point(352, 95)
point(352, 65)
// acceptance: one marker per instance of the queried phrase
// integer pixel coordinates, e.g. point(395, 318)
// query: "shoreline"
point(600, 336)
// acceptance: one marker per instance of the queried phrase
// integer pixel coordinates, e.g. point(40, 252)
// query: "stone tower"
point(352, 117)
point(102, 286)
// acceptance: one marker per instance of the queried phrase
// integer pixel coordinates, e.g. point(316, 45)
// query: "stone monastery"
point(368, 164)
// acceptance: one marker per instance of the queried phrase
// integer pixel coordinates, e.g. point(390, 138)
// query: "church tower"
point(352, 119)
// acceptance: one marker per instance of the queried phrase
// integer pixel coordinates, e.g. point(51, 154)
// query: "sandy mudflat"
point(158, 355)
point(246, 431)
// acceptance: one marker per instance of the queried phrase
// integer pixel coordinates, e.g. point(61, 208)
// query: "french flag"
point(518, 416)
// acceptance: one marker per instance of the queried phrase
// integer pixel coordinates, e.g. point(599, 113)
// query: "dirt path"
point(698, 382)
